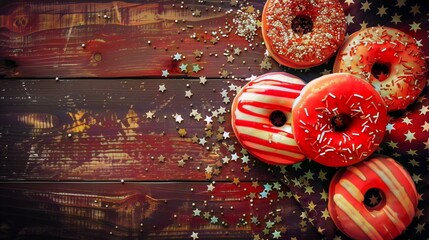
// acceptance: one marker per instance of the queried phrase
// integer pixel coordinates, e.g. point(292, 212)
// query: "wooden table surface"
point(115, 123)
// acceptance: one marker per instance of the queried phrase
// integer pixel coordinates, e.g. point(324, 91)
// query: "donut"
point(387, 58)
point(390, 216)
point(261, 118)
point(339, 120)
point(302, 33)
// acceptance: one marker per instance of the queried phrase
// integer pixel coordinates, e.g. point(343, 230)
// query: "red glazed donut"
point(390, 216)
point(262, 118)
point(339, 120)
point(302, 33)
point(388, 59)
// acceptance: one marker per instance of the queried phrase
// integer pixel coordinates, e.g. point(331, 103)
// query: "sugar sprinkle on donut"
point(387, 58)
point(340, 126)
point(303, 33)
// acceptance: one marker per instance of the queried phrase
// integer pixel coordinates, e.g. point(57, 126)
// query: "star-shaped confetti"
point(177, 57)
point(162, 88)
point(183, 67)
point(196, 68)
point(150, 115)
point(165, 73)
point(194, 236)
point(203, 80)
point(188, 93)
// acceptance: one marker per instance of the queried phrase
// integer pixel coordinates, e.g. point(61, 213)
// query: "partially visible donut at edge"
point(387, 58)
point(339, 120)
point(390, 216)
point(302, 34)
point(261, 118)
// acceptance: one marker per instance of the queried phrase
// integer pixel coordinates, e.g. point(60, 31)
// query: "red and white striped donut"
point(390, 217)
point(339, 120)
point(261, 117)
point(302, 33)
point(403, 77)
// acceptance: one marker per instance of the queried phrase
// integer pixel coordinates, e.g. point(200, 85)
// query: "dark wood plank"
point(104, 130)
point(146, 211)
point(44, 39)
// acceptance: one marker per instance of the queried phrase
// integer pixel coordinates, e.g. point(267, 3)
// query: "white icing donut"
point(262, 117)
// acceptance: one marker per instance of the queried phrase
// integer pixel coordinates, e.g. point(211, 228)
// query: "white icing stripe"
point(252, 108)
point(273, 150)
point(357, 172)
point(262, 98)
point(244, 116)
point(261, 88)
point(402, 194)
point(265, 136)
point(352, 189)
point(399, 225)
point(356, 217)
point(394, 186)
point(258, 110)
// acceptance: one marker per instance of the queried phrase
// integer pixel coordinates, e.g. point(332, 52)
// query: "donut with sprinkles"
point(262, 117)
point(339, 120)
point(301, 33)
point(387, 214)
point(387, 58)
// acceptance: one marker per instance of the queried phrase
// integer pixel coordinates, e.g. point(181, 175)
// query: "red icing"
point(387, 219)
point(327, 97)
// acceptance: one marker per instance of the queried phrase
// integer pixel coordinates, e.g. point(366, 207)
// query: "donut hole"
point(341, 121)
point(374, 199)
point(380, 70)
point(302, 24)
point(278, 118)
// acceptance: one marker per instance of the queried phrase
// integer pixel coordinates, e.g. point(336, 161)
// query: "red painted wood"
point(44, 39)
point(111, 136)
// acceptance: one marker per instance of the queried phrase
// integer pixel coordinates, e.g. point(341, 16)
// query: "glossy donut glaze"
point(324, 100)
point(303, 46)
point(386, 220)
point(251, 112)
point(398, 51)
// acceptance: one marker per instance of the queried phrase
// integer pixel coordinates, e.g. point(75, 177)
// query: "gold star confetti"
point(325, 214)
point(230, 58)
point(198, 54)
point(181, 163)
point(196, 13)
point(266, 64)
point(182, 132)
point(236, 181)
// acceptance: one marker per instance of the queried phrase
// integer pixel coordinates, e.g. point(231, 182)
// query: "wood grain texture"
point(45, 39)
point(100, 130)
point(66, 145)
point(142, 211)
